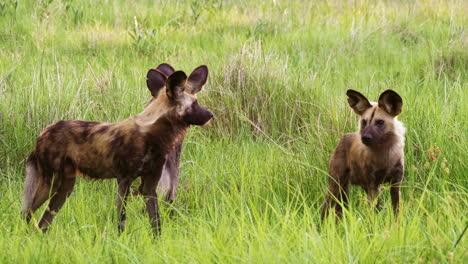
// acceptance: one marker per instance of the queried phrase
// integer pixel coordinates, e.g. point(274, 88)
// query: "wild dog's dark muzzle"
point(198, 115)
point(204, 118)
point(367, 139)
point(371, 136)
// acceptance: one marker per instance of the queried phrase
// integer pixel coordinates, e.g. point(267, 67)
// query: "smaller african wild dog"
point(135, 147)
point(370, 157)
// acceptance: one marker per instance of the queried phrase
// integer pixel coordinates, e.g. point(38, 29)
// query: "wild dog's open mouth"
point(209, 117)
point(208, 122)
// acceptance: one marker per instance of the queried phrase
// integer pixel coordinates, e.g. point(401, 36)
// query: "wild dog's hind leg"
point(41, 195)
point(36, 188)
point(124, 189)
point(65, 183)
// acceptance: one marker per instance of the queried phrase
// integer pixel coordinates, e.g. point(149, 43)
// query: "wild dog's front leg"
point(151, 199)
point(395, 194)
point(337, 195)
point(123, 191)
point(373, 196)
point(330, 198)
point(395, 188)
point(343, 198)
point(338, 186)
point(148, 188)
point(170, 176)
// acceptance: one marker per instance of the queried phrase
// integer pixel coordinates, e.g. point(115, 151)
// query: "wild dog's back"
point(91, 147)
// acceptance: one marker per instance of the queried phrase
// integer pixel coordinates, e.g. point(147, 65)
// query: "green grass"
point(252, 182)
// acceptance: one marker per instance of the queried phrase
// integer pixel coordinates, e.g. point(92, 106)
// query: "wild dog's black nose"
point(210, 115)
point(366, 139)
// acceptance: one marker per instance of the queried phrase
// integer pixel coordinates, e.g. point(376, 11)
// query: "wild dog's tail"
point(31, 185)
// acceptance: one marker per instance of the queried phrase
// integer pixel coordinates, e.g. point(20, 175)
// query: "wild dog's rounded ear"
point(391, 102)
point(357, 101)
point(166, 69)
point(155, 80)
point(175, 85)
point(197, 79)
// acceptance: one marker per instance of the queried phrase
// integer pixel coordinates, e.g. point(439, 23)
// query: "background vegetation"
point(252, 182)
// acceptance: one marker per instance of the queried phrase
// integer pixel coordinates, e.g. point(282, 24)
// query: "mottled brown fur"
point(135, 147)
point(370, 157)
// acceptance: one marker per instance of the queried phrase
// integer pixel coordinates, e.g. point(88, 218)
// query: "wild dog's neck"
point(166, 132)
point(161, 124)
point(391, 143)
point(381, 156)
point(153, 111)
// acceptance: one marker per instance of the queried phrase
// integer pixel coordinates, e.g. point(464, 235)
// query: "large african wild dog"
point(135, 147)
point(371, 156)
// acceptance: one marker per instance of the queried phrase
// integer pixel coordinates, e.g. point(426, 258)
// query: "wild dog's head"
point(179, 96)
point(378, 123)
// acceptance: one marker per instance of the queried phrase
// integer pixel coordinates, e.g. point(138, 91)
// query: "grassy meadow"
point(253, 180)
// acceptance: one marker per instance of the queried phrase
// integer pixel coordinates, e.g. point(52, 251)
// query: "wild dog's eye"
point(379, 122)
point(363, 123)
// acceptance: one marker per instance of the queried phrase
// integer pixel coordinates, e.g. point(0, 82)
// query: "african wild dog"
point(370, 157)
point(135, 147)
